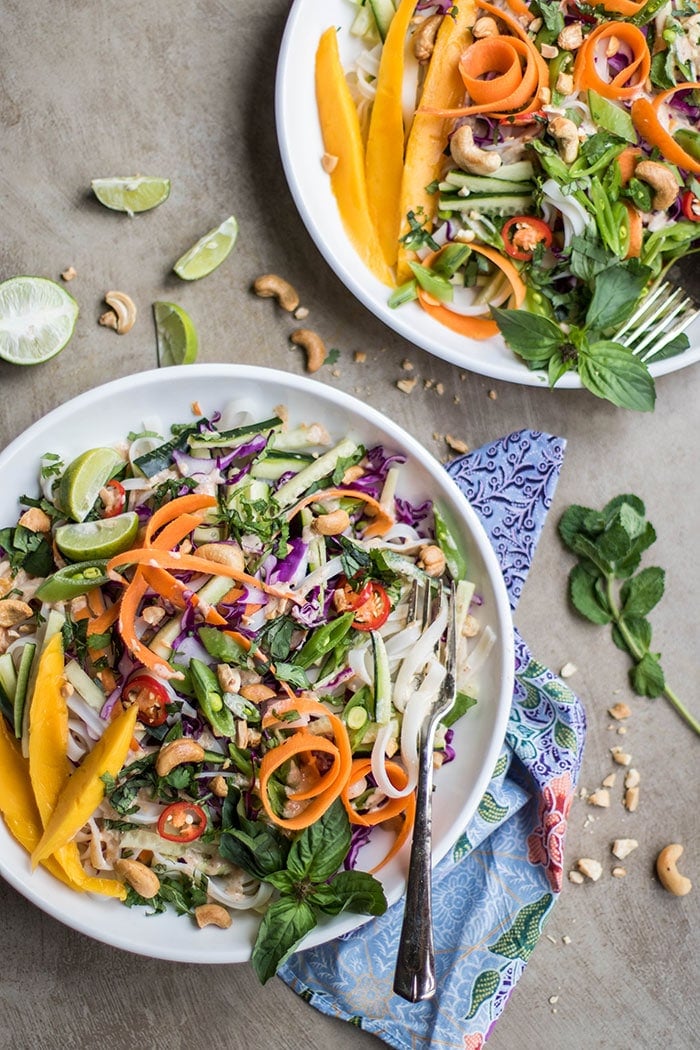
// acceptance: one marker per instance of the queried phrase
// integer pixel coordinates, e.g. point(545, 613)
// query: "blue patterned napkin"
point(493, 891)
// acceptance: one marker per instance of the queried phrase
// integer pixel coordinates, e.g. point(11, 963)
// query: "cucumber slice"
point(493, 205)
point(383, 11)
point(210, 593)
point(232, 438)
point(8, 676)
point(320, 468)
point(21, 689)
point(382, 680)
point(519, 171)
point(276, 463)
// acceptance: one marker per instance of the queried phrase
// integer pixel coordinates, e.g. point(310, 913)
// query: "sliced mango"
point(342, 139)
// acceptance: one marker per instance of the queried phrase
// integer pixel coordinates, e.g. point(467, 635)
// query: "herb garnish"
point(609, 544)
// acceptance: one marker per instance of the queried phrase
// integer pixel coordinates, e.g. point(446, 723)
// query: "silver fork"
point(663, 314)
point(414, 977)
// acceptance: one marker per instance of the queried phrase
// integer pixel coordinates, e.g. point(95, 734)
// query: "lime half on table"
point(209, 252)
point(131, 193)
point(82, 480)
point(37, 319)
point(88, 540)
point(176, 336)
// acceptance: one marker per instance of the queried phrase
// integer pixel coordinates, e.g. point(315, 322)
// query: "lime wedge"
point(37, 318)
point(176, 335)
point(209, 252)
point(84, 477)
point(131, 193)
point(97, 539)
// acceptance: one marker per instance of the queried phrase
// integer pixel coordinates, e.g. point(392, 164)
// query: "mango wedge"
point(340, 128)
point(443, 89)
point(84, 790)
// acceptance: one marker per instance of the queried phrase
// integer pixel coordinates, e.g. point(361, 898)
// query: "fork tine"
point(451, 639)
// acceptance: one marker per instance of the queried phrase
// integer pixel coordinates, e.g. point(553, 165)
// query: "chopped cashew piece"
point(270, 286)
point(424, 38)
point(622, 848)
point(592, 869)
point(432, 560)
point(565, 133)
point(662, 181)
point(13, 611)
point(122, 315)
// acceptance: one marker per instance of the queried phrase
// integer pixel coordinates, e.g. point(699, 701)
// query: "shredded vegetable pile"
point(211, 685)
point(524, 168)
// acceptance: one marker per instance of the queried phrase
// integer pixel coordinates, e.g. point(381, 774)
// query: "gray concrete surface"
point(185, 88)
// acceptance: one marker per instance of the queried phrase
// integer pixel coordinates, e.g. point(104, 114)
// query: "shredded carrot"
point(628, 8)
point(178, 593)
point(473, 327)
point(330, 785)
point(175, 509)
point(394, 807)
point(645, 117)
point(381, 523)
point(629, 81)
point(627, 161)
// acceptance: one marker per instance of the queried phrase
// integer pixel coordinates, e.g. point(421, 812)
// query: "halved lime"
point(209, 252)
point(84, 477)
point(97, 539)
point(176, 335)
point(131, 193)
point(37, 318)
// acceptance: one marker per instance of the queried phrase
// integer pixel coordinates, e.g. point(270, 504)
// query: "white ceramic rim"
point(131, 398)
point(301, 149)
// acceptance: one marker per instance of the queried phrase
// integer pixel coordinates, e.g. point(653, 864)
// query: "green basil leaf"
point(275, 636)
point(647, 677)
point(358, 892)
point(529, 335)
point(617, 290)
point(461, 705)
point(321, 848)
point(285, 923)
point(642, 592)
point(612, 372)
point(296, 676)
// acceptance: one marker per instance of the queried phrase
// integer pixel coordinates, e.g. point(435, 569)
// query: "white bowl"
point(301, 149)
point(105, 415)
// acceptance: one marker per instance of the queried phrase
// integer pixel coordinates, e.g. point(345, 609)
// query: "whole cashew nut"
point(332, 524)
point(662, 181)
point(122, 315)
point(222, 554)
point(270, 286)
point(175, 752)
point(314, 346)
point(469, 157)
point(212, 915)
point(431, 560)
point(139, 876)
point(669, 875)
point(565, 133)
point(424, 38)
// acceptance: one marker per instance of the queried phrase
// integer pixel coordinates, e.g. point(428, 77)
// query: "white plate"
point(301, 148)
point(105, 415)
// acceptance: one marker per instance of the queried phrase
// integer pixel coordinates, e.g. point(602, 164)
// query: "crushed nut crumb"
point(301, 313)
point(456, 443)
point(196, 408)
point(631, 799)
point(621, 730)
point(566, 939)
point(69, 274)
point(601, 798)
point(440, 389)
point(620, 756)
point(568, 670)
point(632, 779)
point(406, 385)
point(622, 848)
point(620, 710)
point(576, 877)
point(609, 781)
point(492, 395)
point(407, 365)
point(592, 869)
point(618, 872)
point(553, 999)
point(360, 357)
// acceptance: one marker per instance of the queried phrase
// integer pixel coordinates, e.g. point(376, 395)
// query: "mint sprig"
point(304, 873)
point(607, 586)
point(607, 368)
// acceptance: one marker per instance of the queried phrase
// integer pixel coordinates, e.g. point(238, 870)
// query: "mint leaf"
point(529, 335)
point(585, 596)
point(637, 631)
point(642, 592)
point(285, 923)
point(647, 677)
point(612, 372)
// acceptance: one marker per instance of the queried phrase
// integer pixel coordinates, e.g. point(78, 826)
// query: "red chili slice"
point(690, 205)
point(150, 695)
point(118, 499)
point(371, 606)
point(522, 234)
point(182, 822)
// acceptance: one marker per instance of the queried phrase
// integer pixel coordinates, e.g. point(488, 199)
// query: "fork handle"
point(414, 978)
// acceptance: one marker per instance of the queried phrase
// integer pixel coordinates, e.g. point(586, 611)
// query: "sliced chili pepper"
point(150, 695)
point(522, 234)
point(182, 822)
point(118, 499)
point(690, 205)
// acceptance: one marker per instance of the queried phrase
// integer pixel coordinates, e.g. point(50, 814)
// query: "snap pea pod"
point(211, 702)
point(323, 640)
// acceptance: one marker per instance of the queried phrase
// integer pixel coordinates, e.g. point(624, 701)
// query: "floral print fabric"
point(493, 891)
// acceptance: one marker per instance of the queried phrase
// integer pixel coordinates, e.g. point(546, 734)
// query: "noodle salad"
point(211, 675)
point(524, 168)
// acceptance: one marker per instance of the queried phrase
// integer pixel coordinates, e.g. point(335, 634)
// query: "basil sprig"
point(304, 873)
point(607, 586)
point(607, 368)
